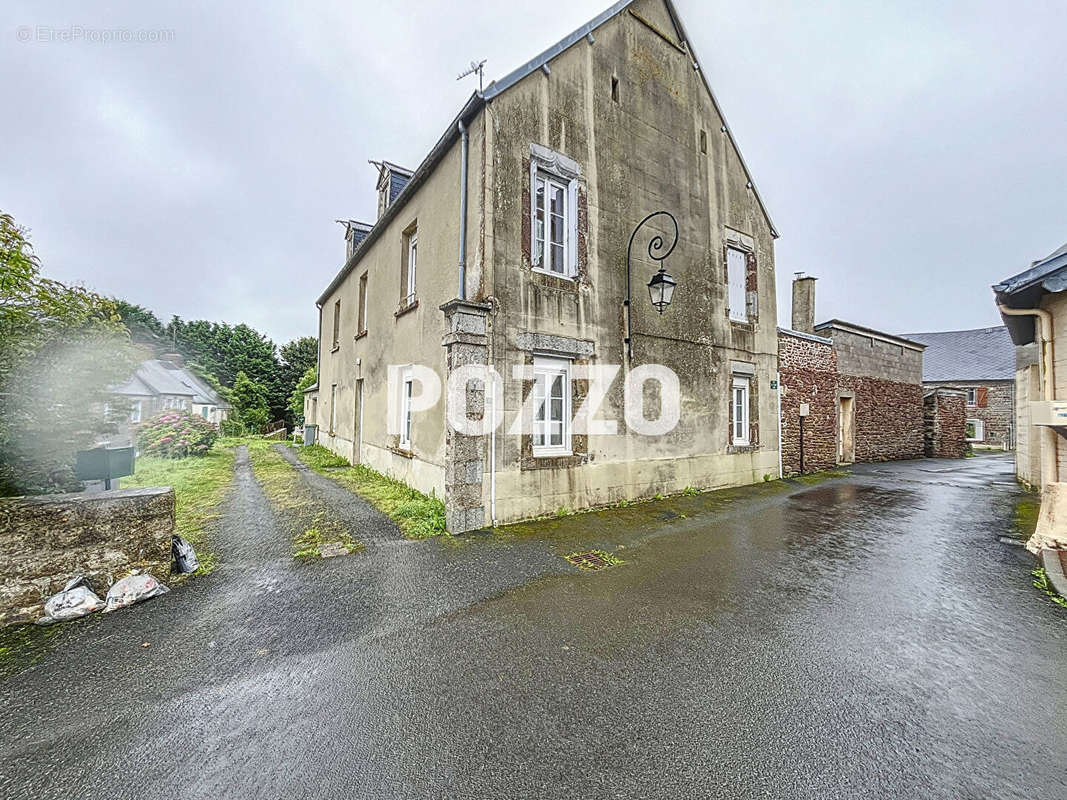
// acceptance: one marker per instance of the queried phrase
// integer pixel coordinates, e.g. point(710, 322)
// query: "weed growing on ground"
point(1042, 583)
point(418, 516)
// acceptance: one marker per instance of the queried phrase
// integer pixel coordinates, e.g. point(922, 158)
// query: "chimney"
point(803, 303)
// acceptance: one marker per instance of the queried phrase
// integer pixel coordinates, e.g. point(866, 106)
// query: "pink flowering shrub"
point(176, 434)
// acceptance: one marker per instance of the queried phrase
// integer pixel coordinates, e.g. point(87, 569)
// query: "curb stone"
point(1050, 560)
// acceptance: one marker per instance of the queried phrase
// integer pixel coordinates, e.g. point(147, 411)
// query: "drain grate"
point(593, 560)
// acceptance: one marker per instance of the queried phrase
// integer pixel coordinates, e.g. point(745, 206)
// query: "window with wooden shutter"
point(983, 397)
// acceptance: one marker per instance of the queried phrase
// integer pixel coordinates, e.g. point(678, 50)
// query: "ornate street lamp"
point(661, 287)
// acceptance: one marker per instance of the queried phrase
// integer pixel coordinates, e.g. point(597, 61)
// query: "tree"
point(297, 357)
point(296, 399)
point(144, 326)
point(62, 350)
point(225, 351)
point(249, 401)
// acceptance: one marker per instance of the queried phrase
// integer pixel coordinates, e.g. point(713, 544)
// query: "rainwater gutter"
point(463, 210)
point(1049, 454)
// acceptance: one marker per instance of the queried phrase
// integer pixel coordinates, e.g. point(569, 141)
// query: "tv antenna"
point(476, 66)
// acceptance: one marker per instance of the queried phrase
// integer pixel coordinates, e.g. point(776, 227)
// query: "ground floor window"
point(975, 430)
point(739, 411)
point(333, 407)
point(552, 407)
point(135, 411)
point(405, 410)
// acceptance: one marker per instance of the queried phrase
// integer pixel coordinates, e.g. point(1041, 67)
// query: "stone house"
point(161, 384)
point(507, 248)
point(980, 363)
point(1033, 305)
point(848, 393)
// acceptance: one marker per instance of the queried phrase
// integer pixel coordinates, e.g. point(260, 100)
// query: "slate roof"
point(1025, 290)
point(155, 377)
point(983, 354)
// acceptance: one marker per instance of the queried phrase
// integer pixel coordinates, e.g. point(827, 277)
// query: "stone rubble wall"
point(945, 418)
point(47, 540)
point(808, 372)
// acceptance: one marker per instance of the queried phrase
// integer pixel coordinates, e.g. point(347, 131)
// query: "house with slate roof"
point(506, 248)
point(162, 384)
point(981, 363)
point(1033, 305)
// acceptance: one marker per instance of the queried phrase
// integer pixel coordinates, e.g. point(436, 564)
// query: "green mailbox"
point(104, 463)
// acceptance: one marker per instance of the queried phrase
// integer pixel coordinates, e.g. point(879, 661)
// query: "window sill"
point(405, 309)
point(735, 449)
point(402, 452)
point(552, 453)
point(335, 348)
point(746, 324)
point(553, 462)
point(551, 274)
point(359, 336)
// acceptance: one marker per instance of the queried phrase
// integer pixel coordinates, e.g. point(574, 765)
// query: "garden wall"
point(47, 540)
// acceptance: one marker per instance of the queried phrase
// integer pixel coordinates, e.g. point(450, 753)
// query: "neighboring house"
point(849, 393)
point(163, 384)
point(534, 189)
point(981, 364)
point(1033, 305)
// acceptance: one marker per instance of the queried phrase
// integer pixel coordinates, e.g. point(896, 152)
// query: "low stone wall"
point(47, 540)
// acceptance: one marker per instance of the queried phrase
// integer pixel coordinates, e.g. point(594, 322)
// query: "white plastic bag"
point(133, 589)
point(76, 600)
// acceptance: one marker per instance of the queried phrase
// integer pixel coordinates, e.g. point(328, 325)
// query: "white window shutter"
point(535, 256)
point(572, 245)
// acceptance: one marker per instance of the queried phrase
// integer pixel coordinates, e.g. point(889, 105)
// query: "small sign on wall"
point(805, 409)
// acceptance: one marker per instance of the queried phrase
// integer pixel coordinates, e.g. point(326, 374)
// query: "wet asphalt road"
point(865, 637)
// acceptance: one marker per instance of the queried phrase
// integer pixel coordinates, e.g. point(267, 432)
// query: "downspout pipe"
point(464, 144)
point(1049, 456)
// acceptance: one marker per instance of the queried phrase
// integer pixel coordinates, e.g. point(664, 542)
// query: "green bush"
point(175, 434)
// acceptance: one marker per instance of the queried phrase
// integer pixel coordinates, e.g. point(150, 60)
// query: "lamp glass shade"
point(661, 290)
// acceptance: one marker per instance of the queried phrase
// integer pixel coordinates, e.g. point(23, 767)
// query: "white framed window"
point(736, 268)
point(333, 407)
point(972, 397)
point(361, 324)
point(406, 391)
point(553, 212)
point(975, 430)
point(135, 411)
point(739, 411)
point(551, 406)
point(204, 412)
point(413, 253)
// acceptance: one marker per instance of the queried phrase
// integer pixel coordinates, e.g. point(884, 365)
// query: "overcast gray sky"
point(911, 153)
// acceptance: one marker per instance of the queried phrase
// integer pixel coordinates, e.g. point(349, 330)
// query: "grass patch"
point(314, 530)
point(318, 458)
point(199, 484)
point(419, 516)
point(312, 542)
point(1027, 510)
point(1043, 584)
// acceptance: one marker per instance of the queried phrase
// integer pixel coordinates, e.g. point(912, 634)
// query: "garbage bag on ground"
point(185, 560)
point(76, 600)
point(133, 589)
